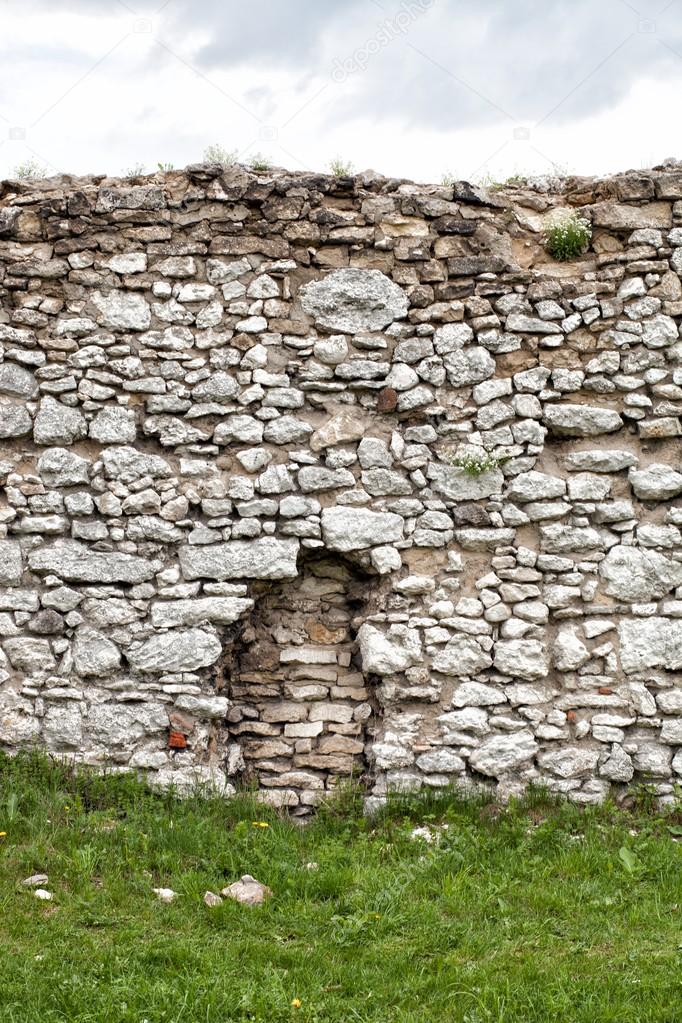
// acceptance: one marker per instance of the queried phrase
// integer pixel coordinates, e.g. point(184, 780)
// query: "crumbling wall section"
point(218, 385)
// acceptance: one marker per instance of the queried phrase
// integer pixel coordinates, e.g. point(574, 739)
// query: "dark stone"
point(387, 399)
point(47, 623)
point(470, 514)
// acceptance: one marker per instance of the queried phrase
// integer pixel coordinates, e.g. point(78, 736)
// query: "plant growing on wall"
point(341, 168)
point(29, 169)
point(218, 154)
point(259, 162)
point(568, 236)
point(475, 463)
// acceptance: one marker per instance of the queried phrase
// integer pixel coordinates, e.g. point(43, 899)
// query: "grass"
point(542, 912)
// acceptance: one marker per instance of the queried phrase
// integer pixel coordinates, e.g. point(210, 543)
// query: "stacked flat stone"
point(305, 477)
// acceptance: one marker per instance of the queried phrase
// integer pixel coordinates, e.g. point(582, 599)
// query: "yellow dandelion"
point(3, 834)
point(260, 824)
point(296, 1003)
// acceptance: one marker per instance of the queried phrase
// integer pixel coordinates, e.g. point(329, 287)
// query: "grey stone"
point(354, 300)
point(521, 658)
point(114, 426)
point(658, 482)
point(462, 656)
point(15, 420)
point(647, 643)
point(71, 560)
point(125, 464)
point(353, 529)
point(61, 468)
point(223, 610)
point(569, 761)
point(179, 650)
point(313, 478)
point(568, 651)
point(266, 558)
point(468, 366)
point(57, 424)
point(17, 381)
point(580, 420)
point(11, 563)
point(535, 486)
point(93, 653)
point(459, 485)
point(342, 428)
point(29, 655)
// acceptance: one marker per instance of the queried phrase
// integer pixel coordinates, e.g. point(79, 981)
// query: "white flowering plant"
point(568, 236)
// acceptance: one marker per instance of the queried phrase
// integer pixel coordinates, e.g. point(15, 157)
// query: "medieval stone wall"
point(304, 476)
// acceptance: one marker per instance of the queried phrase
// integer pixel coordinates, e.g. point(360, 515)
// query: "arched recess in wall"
point(301, 712)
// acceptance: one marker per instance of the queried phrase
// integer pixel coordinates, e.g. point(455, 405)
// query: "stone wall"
point(303, 477)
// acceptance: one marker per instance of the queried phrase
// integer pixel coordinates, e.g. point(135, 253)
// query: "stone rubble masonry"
point(305, 477)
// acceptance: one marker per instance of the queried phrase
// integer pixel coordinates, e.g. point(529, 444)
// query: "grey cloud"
point(458, 63)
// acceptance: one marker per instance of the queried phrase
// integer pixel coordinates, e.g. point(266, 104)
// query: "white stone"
point(462, 656)
point(114, 425)
point(167, 614)
point(647, 643)
point(352, 529)
point(637, 575)
point(122, 310)
point(500, 755)
point(71, 560)
point(181, 650)
point(387, 653)
point(569, 761)
point(658, 482)
point(568, 651)
point(521, 658)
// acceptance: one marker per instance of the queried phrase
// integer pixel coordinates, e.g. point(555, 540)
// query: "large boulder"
point(635, 575)
point(354, 300)
point(647, 643)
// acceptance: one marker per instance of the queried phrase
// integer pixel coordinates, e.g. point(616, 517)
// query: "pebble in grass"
point(211, 899)
point(164, 894)
point(35, 881)
point(43, 895)
point(248, 891)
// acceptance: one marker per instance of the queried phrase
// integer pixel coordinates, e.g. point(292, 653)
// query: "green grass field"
point(540, 912)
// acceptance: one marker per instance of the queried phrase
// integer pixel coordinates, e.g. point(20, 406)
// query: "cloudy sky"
point(412, 88)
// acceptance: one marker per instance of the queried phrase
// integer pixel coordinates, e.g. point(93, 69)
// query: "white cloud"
point(412, 92)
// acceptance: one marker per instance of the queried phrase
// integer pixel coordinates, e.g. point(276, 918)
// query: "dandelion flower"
point(3, 834)
point(296, 1003)
point(260, 824)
